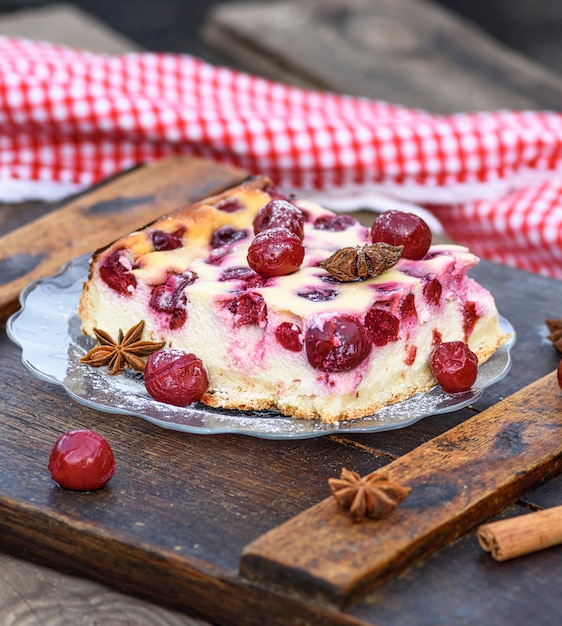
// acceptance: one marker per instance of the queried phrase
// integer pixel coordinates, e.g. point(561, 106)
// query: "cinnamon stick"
point(516, 536)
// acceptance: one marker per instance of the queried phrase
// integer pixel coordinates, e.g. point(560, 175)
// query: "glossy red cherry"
point(454, 366)
point(175, 377)
point(275, 252)
point(337, 344)
point(400, 228)
point(560, 374)
point(81, 460)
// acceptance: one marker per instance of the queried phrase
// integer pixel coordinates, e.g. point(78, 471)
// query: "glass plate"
point(47, 329)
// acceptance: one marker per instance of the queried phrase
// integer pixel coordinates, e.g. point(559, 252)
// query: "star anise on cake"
point(361, 262)
point(126, 351)
point(555, 328)
point(374, 496)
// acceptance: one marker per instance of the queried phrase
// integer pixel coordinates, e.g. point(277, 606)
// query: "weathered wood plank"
point(458, 479)
point(406, 51)
point(95, 219)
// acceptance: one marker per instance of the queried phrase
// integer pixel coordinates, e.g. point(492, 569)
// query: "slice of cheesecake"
point(306, 343)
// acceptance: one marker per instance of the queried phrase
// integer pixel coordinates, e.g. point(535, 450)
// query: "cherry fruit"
point(275, 252)
point(337, 344)
point(470, 317)
point(400, 228)
point(238, 272)
point(560, 374)
point(170, 297)
point(334, 223)
point(175, 377)
point(115, 272)
point(226, 235)
point(432, 291)
point(280, 214)
point(318, 294)
point(455, 366)
point(81, 460)
point(274, 192)
point(289, 335)
point(162, 240)
point(229, 205)
point(382, 325)
point(249, 308)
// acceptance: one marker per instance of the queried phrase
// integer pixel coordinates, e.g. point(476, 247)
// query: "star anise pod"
point(361, 262)
point(127, 351)
point(374, 495)
point(555, 328)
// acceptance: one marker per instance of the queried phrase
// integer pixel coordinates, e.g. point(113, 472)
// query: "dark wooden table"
point(173, 523)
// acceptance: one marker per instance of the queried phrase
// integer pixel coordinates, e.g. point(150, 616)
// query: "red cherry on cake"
point(560, 374)
point(249, 308)
point(162, 240)
point(175, 377)
point(229, 205)
point(382, 325)
point(318, 294)
point(335, 223)
point(226, 235)
point(275, 252)
point(337, 343)
point(280, 214)
point(455, 366)
point(289, 335)
point(81, 460)
point(115, 271)
point(170, 298)
point(399, 228)
point(275, 193)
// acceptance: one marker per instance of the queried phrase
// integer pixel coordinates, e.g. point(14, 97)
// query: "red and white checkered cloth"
point(69, 119)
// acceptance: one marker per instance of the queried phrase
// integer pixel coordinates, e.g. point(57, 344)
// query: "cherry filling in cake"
point(291, 307)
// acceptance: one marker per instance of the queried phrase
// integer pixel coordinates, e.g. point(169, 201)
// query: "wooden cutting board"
point(231, 526)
